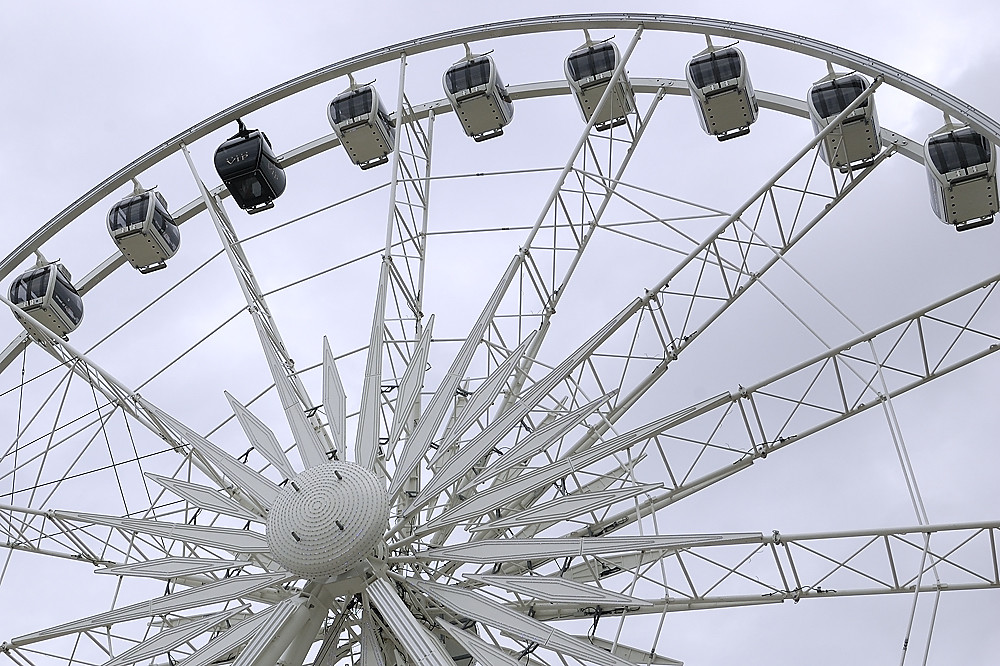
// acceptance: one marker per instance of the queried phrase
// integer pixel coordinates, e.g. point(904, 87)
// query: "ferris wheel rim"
point(908, 83)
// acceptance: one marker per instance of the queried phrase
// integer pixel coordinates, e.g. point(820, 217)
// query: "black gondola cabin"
point(363, 126)
point(47, 294)
point(856, 144)
point(144, 231)
point(479, 97)
point(722, 93)
point(589, 70)
point(250, 170)
point(961, 171)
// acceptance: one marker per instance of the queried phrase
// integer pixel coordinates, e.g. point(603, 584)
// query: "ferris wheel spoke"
point(397, 325)
point(169, 639)
point(117, 394)
point(334, 401)
point(469, 604)
point(668, 316)
point(172, 567)
point(793, 567)
point(263, 438)
point(233, 540)
point(409, 633)
point(294, 400)
point(568, 507)
point(218, 592)
point(462, 461)
point(483, 652)
point(261, 490)
point(540, 439)
point(505, 494)
point(235, 637)
point(483, 397)
point(763, 418)
point(543, 263)
point(372, 649)
point(410, 386)
point(204, 497)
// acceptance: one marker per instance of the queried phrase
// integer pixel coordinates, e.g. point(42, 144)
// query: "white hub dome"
point(327, 518)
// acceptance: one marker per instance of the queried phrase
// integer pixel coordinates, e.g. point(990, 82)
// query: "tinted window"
point(29, 286)
point(250, 191)
point(127, 212)
point(469, 75)
point(714, 67)
point(595, 60)
point(352, 105)
point(172, 235)
point(831, 98)
point(958, 150)
point(67, 299)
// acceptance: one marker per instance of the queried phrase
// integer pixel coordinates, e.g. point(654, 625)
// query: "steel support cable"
point(17, 431)
point(909, 476)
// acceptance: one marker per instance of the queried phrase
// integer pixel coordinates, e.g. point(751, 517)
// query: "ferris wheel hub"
point(327, 519)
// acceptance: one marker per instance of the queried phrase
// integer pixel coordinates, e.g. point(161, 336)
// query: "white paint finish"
point(204, 497)
point(257, 487)
point(460, 463)
point(334, 401)
point(307, 440)
point(423, 434)
point(263, 438)
point(221, 591)
point(411, 384)
point(558, 590)
point(504, 493)
point(369, 416)
point(419, 644)
point(228, 641)
point(483, 652)
point(169, 639)
point(476, 607)
point(485, 395)
point(540, 439)
point(277, 631)
point(236, 541)
point(630, 653)
point(510, 550)
point(371, 648)
point(171, 567)
point(564, 508)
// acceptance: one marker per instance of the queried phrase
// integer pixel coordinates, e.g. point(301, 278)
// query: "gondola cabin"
point(722, 93)
point(588, 71)
point(479, 97)
point(250, 170)
point(961, 172)
point(363, 126)
point(47, 294)
point(857, 142)
point(144, 231)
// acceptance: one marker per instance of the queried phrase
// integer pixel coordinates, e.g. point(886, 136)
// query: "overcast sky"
point(89, 86)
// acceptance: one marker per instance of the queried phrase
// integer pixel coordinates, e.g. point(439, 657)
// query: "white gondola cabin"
point(856, 144)
point(479, 97)
point(47, 294)
point(250, 170)
point(588, 71)
point(722, 93)
point(363, 126)
point(961, 171)
point(144, 231)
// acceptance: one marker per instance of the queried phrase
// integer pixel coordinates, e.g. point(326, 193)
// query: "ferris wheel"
point(401, 395)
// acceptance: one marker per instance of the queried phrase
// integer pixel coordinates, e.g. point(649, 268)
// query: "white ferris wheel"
point(416, 407)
